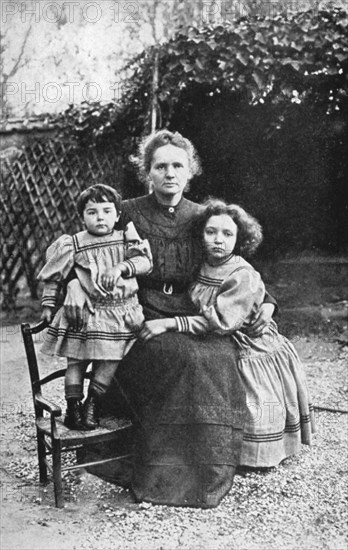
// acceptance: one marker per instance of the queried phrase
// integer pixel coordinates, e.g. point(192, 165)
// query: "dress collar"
point(221, 262)
point(165, 208)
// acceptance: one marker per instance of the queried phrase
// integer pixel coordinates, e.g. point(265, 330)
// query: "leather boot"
point(91, 412)
point(73, 418)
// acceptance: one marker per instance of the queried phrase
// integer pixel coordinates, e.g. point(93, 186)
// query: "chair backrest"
point(36, 381)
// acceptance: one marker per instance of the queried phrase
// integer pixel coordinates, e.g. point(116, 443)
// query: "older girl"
point(227, 293)
point(106, 257)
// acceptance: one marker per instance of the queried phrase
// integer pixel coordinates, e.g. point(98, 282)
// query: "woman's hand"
point(262, 318)
point(155, 328)
point(77, 306)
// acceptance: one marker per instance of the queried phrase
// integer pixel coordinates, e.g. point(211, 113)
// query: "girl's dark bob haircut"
point(249, 236)
point(98, 193)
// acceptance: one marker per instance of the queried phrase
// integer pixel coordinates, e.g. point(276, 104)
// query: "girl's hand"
point(262, 318)
point(155, 328)
point(47, 314)
point(77, 306)
point(110, 277)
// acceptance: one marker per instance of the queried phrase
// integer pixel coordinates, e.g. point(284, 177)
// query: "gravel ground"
point(300, 504)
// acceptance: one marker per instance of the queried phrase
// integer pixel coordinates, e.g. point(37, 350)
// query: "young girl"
point(227, 293)
point(106, 257)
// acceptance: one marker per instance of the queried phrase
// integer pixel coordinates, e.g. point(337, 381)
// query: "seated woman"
point(185, 392)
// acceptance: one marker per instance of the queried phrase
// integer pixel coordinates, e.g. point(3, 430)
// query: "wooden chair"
point(53, 438)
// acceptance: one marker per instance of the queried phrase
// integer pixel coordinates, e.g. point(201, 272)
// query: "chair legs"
point(57, 474)
point(41, 451)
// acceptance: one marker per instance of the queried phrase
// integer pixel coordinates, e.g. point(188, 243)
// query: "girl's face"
point(169, 172)
point(100, 217)
point(219, 237)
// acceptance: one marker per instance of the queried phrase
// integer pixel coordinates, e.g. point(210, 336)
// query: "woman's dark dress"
point(184, 391)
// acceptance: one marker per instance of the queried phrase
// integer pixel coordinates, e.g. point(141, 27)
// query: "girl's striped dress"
point(112, 330)
point(278, 415)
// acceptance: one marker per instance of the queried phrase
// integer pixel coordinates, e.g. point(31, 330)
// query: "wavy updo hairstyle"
point(249, 235)
point(151, 143)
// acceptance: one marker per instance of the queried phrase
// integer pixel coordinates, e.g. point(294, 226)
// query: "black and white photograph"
point(174, 274)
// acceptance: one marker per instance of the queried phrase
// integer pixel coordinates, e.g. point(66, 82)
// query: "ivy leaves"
point(264, 59)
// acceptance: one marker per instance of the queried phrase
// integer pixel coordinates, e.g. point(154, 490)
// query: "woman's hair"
point(158, 139)
point(98, 193)
point(249, 235)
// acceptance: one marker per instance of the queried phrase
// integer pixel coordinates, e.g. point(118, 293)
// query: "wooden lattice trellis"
point(38, 195)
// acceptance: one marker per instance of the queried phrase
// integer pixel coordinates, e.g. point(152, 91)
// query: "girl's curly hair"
point(249, 236)
point(158, 139)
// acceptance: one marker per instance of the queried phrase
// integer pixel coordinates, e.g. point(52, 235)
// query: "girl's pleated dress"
point(112, 330)
point(279, 416)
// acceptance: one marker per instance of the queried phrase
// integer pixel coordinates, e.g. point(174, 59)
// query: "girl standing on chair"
point(106, 257)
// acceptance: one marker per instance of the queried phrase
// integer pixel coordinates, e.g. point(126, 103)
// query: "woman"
point(185, 393)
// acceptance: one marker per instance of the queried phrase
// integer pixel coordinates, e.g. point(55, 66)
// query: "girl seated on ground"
point(227, 293)
point(105, 257)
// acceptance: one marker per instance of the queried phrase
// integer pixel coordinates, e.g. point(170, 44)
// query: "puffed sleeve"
point(60, 258)
point(239, 297)
point(138, 257)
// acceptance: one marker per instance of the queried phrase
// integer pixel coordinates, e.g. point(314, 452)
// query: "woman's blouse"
point(226, 296)
point(92, 255)
point(177, 255)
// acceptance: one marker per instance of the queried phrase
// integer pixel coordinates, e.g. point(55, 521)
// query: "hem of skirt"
point(214, 503)
point(160, 502)
point(267, 464)
point(257, 465)
point(111, 355)
point(92, 357)
point(210, 501)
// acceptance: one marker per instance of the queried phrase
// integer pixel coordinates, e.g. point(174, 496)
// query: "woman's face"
point(219, 237)
point(169, 172)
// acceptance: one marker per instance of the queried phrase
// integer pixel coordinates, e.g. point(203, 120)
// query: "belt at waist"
point(169, 287)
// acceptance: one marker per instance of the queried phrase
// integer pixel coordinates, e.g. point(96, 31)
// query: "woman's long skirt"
point(188, 406)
